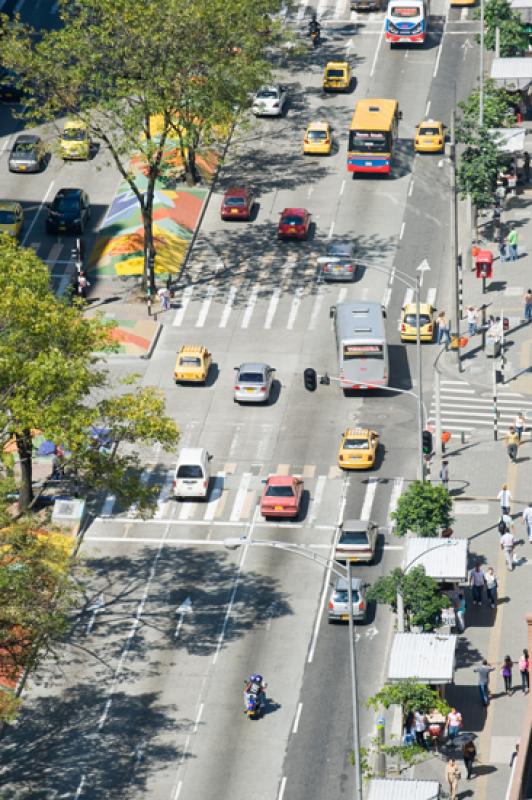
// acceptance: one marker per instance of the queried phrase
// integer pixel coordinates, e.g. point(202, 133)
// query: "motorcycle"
point(254, 700)
point(315, 37)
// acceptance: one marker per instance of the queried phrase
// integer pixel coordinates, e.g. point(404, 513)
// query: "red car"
point(294, 224)
point(237, 203)
point(281, 496)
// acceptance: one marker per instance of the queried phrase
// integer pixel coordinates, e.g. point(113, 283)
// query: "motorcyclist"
point(314, 26)
point(255, 687)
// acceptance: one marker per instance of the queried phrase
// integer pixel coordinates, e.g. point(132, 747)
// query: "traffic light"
point(427, 443)
point(311, 379)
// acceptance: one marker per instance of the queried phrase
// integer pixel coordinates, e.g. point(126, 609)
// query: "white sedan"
point(270, 101)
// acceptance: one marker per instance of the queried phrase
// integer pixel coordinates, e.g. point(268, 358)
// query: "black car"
point(69, 211)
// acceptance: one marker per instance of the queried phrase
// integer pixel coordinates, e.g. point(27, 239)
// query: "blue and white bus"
point(407, 22)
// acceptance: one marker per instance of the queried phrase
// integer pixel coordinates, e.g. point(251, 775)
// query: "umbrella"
point(46, 448)
point(103, 435)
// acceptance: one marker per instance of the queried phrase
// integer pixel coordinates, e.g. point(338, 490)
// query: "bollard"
point(380, 766)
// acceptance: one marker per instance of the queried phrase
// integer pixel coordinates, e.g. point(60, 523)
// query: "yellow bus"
point(372, 136)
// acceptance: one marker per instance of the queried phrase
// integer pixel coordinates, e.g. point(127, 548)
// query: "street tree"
point(52, 382)
point(498, 111)
point(411, 696)
point(424, 508)
point(423, 599)
point(513, 39)
point(136, 73)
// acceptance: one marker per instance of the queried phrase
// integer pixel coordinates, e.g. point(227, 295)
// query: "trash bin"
point(455, 342)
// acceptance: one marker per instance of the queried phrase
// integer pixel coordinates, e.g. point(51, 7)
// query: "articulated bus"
point(361, 344)
point(372, 135)
point(406, 22)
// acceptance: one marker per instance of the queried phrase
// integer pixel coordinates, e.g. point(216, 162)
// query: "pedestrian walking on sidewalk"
point(512, 240)
point(469, 753)
point(471, 315)
point(443, 330)
point(420, 725)
point(512, 443)
point(506, 524)
point(519, 424)
point(502, 248)
point(508, 545)
point(506, 672)
point(524, 669)
point(453, 776)
point(483, 672)
point(526, 519)
point(527, 300)
point(505, 498)
point(491, 586)
point(444, 474)
point(460, 612)
point(454, 723)
point(477, 581)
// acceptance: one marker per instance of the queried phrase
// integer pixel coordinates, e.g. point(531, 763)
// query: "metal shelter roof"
point(512, 73)
point(428, 657)
point(447, 563)
point(402, 789)
point(511, 140)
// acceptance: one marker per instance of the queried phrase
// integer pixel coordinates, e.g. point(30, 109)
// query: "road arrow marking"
point(372, 632)
point(182, 610)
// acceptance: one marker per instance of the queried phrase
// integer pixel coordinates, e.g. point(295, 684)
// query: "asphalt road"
point(146, 701)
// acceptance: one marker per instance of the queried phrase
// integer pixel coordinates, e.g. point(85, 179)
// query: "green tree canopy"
point(513, 38)
point(422, 597)
point(424, 509)
point(478, 166)
point(498, 110)
point(49, 380)
point(411, 696)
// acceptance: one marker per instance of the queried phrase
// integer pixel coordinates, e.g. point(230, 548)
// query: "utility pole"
point(419, 377)
point(455, 265)
point(481, 68)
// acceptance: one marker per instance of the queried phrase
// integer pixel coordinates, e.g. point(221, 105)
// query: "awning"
point(511, 140)
point(445, 563)
point(427, 657)
point(403, 789)
point(512, 73)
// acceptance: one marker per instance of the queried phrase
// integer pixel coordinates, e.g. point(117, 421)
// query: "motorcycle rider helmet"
point(256, 678)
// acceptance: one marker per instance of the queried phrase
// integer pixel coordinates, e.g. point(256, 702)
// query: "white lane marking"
point(331, 230)
point(185, 300)
point(296, 302)
point(394, 497)
point(282, 787)
point(187, 510)
point(164, 496)
point(178, 790)
point(342, 295)
point(228, 307)
point(80, 787)
point(301, 10)
point(272, 307)
point(342, 187)
point(322, 6)
point(402, 231)
point(431, 296)
point(198, 717)
point(34, 220)
point(463, 13)
point(316, 308)
point(409, 296)
point(440, 47)
point(387, 297)
point(339, 10)
point(240, 497)
point(215, 495)
point(204, 310)
point(375, 57)
point(369, 497)
point(318, 494)
point(144, 478)
point(297, 718)
point(411, 188)
point(108, 505)
point(250, 307)
point(427, 108)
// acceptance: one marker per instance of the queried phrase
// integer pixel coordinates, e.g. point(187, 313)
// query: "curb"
point(146, 356)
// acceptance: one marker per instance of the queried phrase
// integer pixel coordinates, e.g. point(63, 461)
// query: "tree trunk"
point(149, 249)
point(25, 453)
point(191, 170)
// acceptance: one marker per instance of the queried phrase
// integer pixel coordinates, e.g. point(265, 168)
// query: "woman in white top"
point(505, 498)
point(519, 424)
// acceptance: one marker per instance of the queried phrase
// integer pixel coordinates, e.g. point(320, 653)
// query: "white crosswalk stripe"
point(371, 490)
point(185, 300)
point(431, 296)
point(464, 410)
point(200, 322)
point(250, 307)
point(215, 495)
point(296, 302)
point(272, 308)
point(228, 307)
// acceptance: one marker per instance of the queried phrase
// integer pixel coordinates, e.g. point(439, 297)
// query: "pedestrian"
point(443, 330)
point(454, 723)
point(512, 443)
point(502, 248)
point(512, 183)
point(512, 241)
point(477, 581)
point(527, 300)
point(471, 315)
point(469, 753)
point(483, 672)
point(453, 776)
point(506, 672)
point(526, 166)
point(505, 498)
point(507, 545)
point(420, 725)
point(83, 285)
point(526, 519)
point(491, 586)
point(506, 524)
point(444, 474)
point(524, 669)
point(519, 424)
point(460, 612)
point(164, 298)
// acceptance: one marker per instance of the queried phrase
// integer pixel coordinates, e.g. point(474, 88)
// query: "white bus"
point(361, 344)
point(407, 21)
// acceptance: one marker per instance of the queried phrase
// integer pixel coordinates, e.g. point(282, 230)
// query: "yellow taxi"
point(192, 364)
point(426, 319)
point(11, 219)
point(337, 76)
point(358, 448)
point(430, 137)
point(318, 139)
point(75, 141)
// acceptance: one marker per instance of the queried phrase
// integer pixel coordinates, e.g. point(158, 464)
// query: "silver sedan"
point(27, 154)
point(253, 382)
point(339, 263)
point(338, 607)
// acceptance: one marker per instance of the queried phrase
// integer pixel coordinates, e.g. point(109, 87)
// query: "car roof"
point(27, 138)
point(318, 125)
point(280, 480)
point(239, 191)
point(191, 454)
point(430, 122)
point(357, 432)
point(335, 64)
point(341, 584)
point(74, 123)
point(9, 205)
point(69, 190)
point(192, 348)
point(253, 366)
point(287, 211)
point(274, 87)
point(356, 524)
point(340, 247)
point(424, 308)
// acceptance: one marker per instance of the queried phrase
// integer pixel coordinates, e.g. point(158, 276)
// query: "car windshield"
point(340, 596)
point(369, 141)
point(354, 537)
point(189, 361)
point(411, 319)
point(24, 148)
point(266, 94)
point(292, 219)
point(74, 135)
point(316, 135)
point(356, 444)
point(235, 201)
point(251, 377)
point(7, 217)
point(279, 491)
point(335, 73)
point(429, 131)
point(340, 251)
point(190, 471)
point(67, 204)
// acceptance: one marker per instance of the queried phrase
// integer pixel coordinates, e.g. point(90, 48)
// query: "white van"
point(192, 473)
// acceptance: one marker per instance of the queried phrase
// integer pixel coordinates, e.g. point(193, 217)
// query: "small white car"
point(269, 101)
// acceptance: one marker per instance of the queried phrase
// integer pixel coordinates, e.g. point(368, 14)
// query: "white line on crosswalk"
point(316, 308)
point(272, 307)
point(431, 296)
point(409, 296)
point(144, 478)
point(398, 484)
point(369, 497)
point(215, 495)
point(240, 497)
point(250, 307)
point(163, 499)
point(228, 307)
point(185, 300)
point(318, 495)
point(204, 310)
point(339, 8)
point(187, 510)
point(296, 302)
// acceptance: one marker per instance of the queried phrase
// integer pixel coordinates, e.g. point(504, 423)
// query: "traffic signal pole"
point(421, 462)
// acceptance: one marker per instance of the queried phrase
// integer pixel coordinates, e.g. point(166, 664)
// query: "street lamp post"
point(400, 601)
point(345, 573)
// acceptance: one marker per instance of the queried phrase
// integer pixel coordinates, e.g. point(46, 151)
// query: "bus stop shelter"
point(427, 657)
point(513, 74)
point(403, 789)
point(443, 564)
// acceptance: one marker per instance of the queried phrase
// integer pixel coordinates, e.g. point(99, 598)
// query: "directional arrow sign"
point(181, 611)
point(372, 632)
point(423, 267)
point(465, 47)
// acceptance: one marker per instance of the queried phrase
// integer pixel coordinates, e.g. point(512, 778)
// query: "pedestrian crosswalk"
point(465, 409)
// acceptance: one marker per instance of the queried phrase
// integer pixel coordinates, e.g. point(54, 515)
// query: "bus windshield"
point(369, 141)
point(373, 351)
